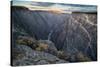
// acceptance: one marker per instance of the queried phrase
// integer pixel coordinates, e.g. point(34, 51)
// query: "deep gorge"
point(72, 33)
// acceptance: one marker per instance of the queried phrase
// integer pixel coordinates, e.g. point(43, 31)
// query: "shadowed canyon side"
point(75, 34)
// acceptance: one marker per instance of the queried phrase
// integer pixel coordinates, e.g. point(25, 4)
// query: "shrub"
point(42, 47)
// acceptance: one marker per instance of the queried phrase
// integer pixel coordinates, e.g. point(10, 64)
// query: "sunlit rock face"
point(71, 33)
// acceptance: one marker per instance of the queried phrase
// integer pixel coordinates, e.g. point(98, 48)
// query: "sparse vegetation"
point(42, 47)
point(82, 58)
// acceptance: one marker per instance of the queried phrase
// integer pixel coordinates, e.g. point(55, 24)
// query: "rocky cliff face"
point(74, 34)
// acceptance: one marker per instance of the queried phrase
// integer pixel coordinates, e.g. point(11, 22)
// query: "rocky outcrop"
point(24, 55)
point(47, 46)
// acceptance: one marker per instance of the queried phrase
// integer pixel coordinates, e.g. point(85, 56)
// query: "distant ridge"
point(50, 10)
point(58, 11)
point(86, 12)
point(19, 7)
